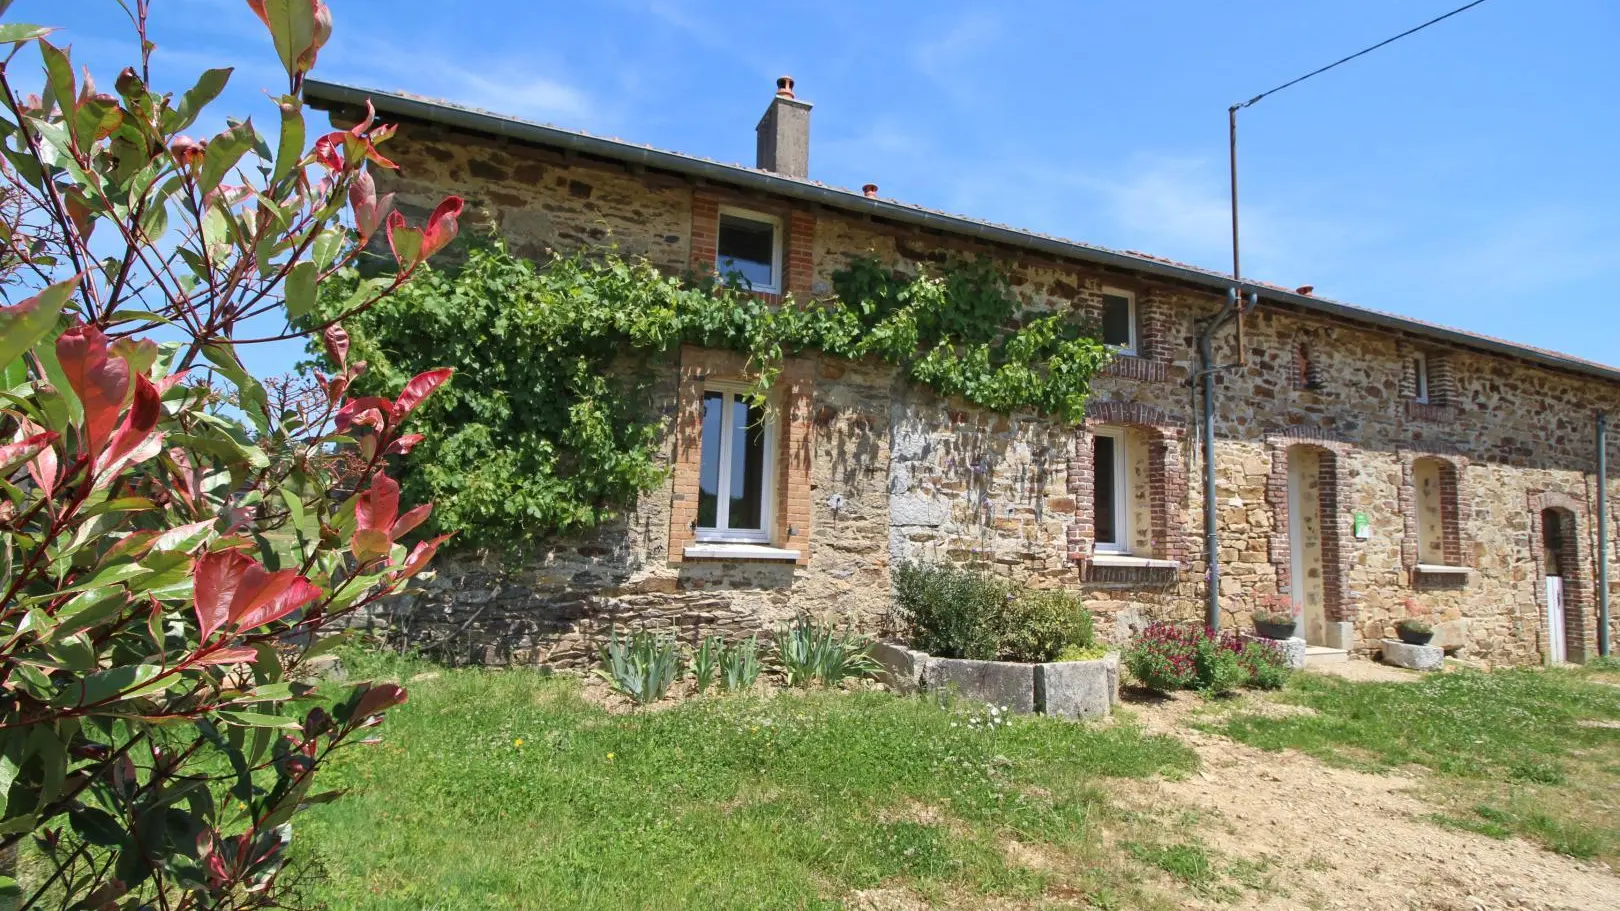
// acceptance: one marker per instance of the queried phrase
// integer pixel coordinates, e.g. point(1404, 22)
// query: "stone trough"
point(1065, 689)
point(1413, 657)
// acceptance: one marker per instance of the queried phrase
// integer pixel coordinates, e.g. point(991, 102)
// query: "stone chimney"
point(784, 133)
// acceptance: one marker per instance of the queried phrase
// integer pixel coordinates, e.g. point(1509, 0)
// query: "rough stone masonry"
point(1366, 473)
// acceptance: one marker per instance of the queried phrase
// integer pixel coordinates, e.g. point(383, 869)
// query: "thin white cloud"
point(942, 54)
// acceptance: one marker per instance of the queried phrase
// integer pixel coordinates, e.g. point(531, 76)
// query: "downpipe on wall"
point(1207, 371)
point(1603, 531)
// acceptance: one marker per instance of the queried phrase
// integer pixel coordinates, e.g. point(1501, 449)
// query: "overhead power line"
point(1362, 52)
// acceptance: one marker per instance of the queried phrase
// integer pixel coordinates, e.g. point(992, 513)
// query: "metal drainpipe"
point(1603, 532)
point(1212, 553)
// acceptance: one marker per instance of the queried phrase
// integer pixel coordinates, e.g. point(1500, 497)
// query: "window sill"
point(1438, 569)
point(720, 551)
point(1105, 559)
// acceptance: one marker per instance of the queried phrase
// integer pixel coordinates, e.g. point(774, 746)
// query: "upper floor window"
point(1119, 320)
point(750, 246)
point(1420, 378)
point(737, 466)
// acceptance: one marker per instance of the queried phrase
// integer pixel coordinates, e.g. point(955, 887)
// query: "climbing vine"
point(553, 423)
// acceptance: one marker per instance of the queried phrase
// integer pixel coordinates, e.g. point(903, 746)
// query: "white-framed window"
point(750, 249)
point(1119, 320)
point(1420, 378)
point(1110, 496)
point(737, 469)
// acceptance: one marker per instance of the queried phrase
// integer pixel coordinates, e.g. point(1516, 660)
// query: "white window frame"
point(775, 221)
point(721, 533)
point(1420, 378)
point(1122, 489)
point(1130, 297)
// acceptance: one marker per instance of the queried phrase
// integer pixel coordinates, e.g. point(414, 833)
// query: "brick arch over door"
point(1334, 479)
point(1580, 622)
point(1167, 478)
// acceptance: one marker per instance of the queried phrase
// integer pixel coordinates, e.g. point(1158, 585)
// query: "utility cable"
point(1362, 52)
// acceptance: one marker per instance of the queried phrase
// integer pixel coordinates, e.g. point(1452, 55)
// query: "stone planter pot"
point(1412, 637)
point(1066, 689)
point(1275, 630)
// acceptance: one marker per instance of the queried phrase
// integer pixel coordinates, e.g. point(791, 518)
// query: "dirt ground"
point(1331, 838)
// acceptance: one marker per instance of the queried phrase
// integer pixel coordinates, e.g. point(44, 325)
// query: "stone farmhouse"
point(1366, 465)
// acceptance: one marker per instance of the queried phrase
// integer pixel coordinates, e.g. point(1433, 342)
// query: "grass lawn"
point(507, 789)
point(1528, 752)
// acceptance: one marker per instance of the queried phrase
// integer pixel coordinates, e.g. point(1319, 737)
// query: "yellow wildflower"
point(518, 742)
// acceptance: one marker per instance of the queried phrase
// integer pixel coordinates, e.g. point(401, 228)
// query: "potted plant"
point(1415, 631)
point(1274, 618)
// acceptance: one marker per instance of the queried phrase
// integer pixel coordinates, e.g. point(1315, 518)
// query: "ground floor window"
point(1111, 492)
point(735, 477)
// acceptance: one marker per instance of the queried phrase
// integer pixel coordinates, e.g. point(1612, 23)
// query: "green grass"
point(506, 789)
point(1528, 752)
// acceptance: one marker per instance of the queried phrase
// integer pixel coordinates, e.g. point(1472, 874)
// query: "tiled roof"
point(328, 95)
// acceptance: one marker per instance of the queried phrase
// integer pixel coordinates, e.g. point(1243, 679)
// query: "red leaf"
point(24, 450)
point(410, 520)
point(405, 242)
point(336, 340)
point(442, 226)
point(405, 444)
point(44, 467)
point(378, 698)
point(420, 555)
point(137, 427)
point(370, 543)
point(327, 150)
point(100, 382)
point(419, 388)
point(377, 508)
point(369, 210)
point(216, 577)
point(228, 656)
point(367, 410)
point(297, 592)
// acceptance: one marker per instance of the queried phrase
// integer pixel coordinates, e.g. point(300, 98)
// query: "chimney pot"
point(783, 134)
point(870, 191)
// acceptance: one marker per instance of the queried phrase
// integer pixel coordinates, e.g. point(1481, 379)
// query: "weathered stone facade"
point(1449, 493)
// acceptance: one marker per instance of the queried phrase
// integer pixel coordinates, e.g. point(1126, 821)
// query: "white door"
point(1555, 620)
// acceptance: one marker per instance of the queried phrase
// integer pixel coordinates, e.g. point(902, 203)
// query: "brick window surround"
point(1453, 508)
point(797, 247)
point(1153, 317)
point(1333, 480)
point(1167, 489)
point(1442, 404)
point(791, 396)
point(1580, 621)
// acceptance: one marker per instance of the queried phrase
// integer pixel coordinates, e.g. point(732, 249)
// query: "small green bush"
point(948, 611)
point(1082, 652)
point(1217, 665)
point(960, 613)
point(1039, 624)
point(1266, 664)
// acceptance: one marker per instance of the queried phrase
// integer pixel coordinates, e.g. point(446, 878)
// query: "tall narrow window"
point(749, 251)
point(1420, 378)
point(734, 479)
point(1119, 320)
point(1109, 498)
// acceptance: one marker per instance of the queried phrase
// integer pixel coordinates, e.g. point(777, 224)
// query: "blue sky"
point(1465, 175)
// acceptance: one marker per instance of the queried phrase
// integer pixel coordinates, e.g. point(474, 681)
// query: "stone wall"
point(897, 473)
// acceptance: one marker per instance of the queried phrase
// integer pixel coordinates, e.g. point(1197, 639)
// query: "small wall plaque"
point(1360, 527)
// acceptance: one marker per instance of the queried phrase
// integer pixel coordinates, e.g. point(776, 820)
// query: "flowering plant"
point(1276, 609)
point(1166, 657)
point(175, 534)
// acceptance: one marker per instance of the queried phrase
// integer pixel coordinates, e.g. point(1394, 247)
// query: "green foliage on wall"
point(552, 424)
